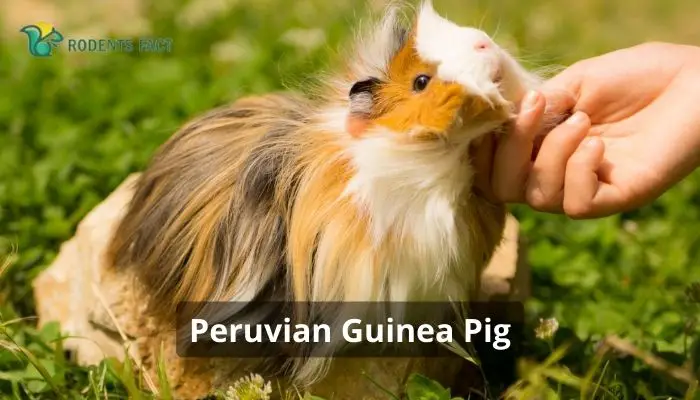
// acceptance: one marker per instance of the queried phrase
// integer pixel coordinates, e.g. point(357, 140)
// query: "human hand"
point(638, 110)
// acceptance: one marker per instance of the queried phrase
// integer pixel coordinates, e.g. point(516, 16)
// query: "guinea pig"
point(361, 191)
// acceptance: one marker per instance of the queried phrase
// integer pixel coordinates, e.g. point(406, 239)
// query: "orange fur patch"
point(318, 203)
point(401, 109)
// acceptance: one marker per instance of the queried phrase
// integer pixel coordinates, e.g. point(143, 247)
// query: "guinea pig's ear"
point(362, 94)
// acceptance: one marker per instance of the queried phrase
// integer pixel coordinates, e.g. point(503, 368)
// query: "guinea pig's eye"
point(420, 83)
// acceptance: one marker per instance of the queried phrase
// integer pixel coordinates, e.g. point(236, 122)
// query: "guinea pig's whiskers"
point(498, 29)
point(480, 26)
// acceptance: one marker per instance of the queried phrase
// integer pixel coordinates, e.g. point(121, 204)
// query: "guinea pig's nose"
point(482, 45)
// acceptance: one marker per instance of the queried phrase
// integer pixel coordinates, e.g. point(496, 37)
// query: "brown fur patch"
point(197, 228)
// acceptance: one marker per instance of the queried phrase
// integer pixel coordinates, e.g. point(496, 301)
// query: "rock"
point(69, 290)
point(104, 310)
point(507, 277)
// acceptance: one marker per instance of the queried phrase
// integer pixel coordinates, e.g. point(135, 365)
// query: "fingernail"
point(577, 118)
point(530, 100)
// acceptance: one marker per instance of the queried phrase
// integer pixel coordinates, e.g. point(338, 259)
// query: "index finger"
point(513, 155)
point(561, 104)
point(562, 93)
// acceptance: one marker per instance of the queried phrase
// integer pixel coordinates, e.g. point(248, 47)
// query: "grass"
point(72, 127)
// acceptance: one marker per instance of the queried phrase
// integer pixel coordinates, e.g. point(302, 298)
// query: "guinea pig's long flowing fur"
point(272, 197)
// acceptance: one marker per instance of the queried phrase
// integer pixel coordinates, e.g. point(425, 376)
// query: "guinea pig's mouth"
point(487, 111)
point(497, 76)
point(490, 105)
point(492, 102)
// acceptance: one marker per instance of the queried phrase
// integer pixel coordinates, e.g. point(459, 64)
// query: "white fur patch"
point(398, 178)
point(452, 48)
point(414, 192)
point(376, 49)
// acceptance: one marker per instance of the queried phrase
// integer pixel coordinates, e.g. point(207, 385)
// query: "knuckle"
point(578, 210)
point(653, 45)
point(540, 200)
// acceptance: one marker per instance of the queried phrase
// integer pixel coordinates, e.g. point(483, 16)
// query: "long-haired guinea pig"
point(362, 193)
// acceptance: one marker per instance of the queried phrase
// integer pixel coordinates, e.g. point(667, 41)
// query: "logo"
point(42, 38)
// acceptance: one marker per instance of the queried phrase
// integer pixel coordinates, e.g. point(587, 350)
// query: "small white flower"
point(547, 328)
point(251, 387)
point(630, 226)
